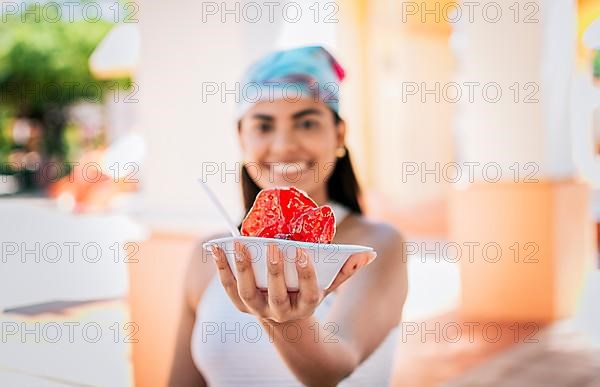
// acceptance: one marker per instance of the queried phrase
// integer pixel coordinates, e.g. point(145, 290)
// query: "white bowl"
point(327, 259)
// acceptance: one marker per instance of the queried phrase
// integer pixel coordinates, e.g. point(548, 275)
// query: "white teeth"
point(289, 168)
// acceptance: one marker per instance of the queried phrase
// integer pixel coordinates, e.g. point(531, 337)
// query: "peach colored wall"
point(155, 298)
point(553, 217)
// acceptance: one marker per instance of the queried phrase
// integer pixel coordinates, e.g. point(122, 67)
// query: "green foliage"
point(596, 64)
point(4, 142)
point(45, 63)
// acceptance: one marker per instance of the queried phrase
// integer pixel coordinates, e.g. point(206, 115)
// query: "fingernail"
point(239, 256)
point(273, 255)
point(237, 251)
point(215, 252)
point(372, 257)
point(301, 257)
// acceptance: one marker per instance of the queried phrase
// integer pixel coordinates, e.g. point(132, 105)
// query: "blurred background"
point(474, 127)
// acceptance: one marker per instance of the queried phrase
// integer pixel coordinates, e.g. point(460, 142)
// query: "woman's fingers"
point(246, 284)
point(309, 295)
point(279, 301)
point(352, 265)
point(227, 278)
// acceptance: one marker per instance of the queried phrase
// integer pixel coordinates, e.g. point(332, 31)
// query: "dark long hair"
point(342, 186)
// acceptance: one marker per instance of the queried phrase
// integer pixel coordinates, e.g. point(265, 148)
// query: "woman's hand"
point(277, 304)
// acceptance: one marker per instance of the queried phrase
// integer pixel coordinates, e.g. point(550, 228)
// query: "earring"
point(340, 152)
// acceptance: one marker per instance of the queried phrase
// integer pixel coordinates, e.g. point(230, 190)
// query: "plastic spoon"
point(232, 228)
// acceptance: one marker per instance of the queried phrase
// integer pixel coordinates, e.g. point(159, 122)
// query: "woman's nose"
point(284, 142)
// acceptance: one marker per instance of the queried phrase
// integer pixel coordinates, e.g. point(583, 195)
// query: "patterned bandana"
point(305, 72)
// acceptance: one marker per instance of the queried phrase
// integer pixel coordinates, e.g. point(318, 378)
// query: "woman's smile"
point(286, 167)
point(288, 172)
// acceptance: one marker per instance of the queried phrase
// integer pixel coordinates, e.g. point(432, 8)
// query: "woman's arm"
point(311, 352)
point(198, 274)
point(365, 310)
point(363, 313)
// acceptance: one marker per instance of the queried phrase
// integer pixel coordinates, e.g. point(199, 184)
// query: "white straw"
point(232, 228)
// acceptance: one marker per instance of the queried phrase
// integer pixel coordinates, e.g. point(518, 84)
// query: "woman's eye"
point(264, 127)
point(308, 124)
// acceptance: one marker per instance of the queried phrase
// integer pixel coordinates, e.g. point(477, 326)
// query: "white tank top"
point(231, 348)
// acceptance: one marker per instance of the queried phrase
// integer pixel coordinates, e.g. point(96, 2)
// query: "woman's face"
point(288, 143)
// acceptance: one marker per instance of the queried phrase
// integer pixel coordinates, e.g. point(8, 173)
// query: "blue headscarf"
point(305, 72)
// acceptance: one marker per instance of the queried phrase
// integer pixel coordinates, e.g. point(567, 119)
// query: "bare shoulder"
point(358, 229)
point(387, 275)
point(199, 271)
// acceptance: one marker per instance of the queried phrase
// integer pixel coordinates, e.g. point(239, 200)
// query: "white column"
point(528, 55)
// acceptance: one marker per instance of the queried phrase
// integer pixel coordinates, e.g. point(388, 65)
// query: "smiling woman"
point(290, 143)
point(232, 333)
point(318, 129)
